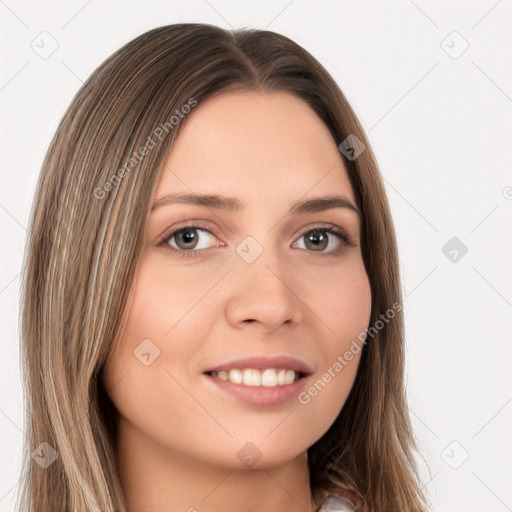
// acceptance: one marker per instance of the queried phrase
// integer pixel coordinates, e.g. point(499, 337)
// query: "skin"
point(179, 435)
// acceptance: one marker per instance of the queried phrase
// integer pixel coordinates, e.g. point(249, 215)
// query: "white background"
point(441, 130)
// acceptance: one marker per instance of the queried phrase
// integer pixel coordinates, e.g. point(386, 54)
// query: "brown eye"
point(316, 240)
point(186, 238)
point(322, 240)
point(189, 238)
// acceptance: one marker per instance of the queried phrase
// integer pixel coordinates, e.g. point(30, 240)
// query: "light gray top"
point(335, 503)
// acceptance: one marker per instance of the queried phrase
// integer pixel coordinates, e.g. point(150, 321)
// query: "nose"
point(261, 295)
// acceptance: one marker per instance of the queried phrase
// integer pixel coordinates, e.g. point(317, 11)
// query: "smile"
point(269, 377)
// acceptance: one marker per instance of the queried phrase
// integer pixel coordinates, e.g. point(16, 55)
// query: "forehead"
point(249, 144)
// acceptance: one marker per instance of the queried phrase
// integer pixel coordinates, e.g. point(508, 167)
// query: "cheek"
point(163, 297)
point(142, 376)
point(165, 304)
point(343, 306)
point(341, 299)
point(350, 305)
point(163, 331)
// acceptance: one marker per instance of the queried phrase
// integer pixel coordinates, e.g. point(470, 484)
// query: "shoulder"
point(335, 503)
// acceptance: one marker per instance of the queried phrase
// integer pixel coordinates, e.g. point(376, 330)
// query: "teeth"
point(289, 376)
point(235, 376)
point(251, 377)
point(269, 378)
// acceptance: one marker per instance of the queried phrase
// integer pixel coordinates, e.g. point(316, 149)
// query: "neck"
point(156, 478)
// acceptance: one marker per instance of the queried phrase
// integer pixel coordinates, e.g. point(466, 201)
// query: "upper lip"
point(262, 363)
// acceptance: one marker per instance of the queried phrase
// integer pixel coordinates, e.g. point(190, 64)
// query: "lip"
point(260, 395)
point(283, 362)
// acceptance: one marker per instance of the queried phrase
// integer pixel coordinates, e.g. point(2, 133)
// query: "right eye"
point(189, 239)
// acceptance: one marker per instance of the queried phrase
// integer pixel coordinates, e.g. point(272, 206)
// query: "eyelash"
point(192, 253)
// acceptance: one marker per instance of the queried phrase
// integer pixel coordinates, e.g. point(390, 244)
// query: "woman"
point(212, 311)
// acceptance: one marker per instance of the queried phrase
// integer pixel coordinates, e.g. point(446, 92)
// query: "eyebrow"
point(233, 204)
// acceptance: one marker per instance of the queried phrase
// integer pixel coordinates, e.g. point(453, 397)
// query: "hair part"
point(82, 253)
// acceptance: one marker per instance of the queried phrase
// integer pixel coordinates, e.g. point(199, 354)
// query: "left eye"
point(187, 239)
point(320, 240)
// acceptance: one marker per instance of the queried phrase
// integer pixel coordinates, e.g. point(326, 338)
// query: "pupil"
point(189, 237)
point(319, 239)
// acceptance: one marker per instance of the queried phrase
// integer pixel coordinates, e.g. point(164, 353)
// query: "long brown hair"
point(86, 235)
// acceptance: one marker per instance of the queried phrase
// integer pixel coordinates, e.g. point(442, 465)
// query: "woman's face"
point(248, 277)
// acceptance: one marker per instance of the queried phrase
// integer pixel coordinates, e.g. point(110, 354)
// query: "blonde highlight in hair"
point(86, 235)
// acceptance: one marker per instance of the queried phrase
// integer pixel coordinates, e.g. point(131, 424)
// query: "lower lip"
point(261, 395)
